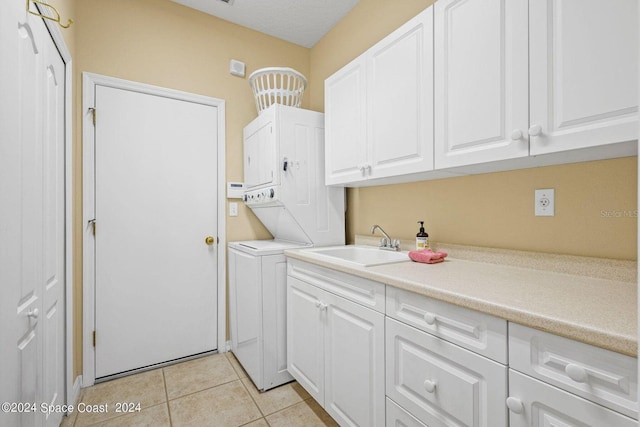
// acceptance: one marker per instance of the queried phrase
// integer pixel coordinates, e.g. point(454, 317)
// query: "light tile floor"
point(210, 391)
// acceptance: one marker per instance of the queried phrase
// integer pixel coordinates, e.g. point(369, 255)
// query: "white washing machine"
point(284, 178)
point(257, 305)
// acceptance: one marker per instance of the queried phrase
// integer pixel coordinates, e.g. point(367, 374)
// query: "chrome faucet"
point(386, 242)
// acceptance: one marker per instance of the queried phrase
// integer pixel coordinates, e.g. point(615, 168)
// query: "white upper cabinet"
point(400, 100)
point(517, 78)
point(481, 83)
point(584, 73)
point(379, 108)
point(345, 123)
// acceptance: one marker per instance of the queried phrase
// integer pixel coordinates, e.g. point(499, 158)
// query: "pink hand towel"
point(427, 256)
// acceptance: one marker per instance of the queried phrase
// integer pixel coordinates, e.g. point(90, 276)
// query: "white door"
point(354, 363)
point(584, 73)
point(305, 337)
point(481, 81)
point(155, 203)
point(400, 99)
point(345, 132)
point(32, 217)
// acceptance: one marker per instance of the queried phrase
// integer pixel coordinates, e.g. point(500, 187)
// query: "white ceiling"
point(302, 22)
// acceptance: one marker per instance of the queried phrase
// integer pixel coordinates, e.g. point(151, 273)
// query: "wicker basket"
point(277, 85)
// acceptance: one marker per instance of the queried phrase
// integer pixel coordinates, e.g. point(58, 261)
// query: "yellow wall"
point(162, 43)
point(493, 210)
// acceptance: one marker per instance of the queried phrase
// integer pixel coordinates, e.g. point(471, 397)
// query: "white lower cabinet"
point(533, 403)
point(555, 381)
point(336, 352)
point(429, 363)
point(443, 384)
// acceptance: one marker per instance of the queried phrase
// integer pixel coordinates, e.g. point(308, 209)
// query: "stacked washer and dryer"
point(284, 181)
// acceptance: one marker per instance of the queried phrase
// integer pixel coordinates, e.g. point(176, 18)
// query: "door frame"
point(72, 385)
point(89, 83)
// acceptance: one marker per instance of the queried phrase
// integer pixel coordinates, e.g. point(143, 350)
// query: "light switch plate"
point(545, 203)
point(233, 209)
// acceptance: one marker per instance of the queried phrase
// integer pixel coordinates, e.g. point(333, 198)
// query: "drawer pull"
point(430, 318)
point(576, 373)
point(430, 386)
point(515, 405)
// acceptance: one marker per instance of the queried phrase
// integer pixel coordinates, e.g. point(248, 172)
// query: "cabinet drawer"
point(443, 384)
point(540, 404)
point(600, 375)
point(398, 417)
point(475, 331)
point(356, 289)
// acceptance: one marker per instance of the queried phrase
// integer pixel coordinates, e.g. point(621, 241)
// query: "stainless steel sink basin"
point(364, 256)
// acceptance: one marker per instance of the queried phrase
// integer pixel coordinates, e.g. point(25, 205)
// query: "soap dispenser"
point(422, 238)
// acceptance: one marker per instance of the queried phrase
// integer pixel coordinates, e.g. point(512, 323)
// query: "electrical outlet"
point(545, 202)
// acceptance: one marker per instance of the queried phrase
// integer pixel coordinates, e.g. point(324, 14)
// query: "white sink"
point(364, 256)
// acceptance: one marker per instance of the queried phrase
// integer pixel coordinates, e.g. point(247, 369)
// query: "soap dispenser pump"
point(422, 238)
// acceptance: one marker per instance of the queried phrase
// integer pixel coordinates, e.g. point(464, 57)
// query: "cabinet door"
point(584, 73)
point(305, 337)
point(354, 377)
point(345, 127)
point(481, 81)
point(536, 404)
point(400, 100)
point(274, 318)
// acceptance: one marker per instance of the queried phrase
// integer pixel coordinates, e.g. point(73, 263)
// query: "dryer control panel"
point(263, 196)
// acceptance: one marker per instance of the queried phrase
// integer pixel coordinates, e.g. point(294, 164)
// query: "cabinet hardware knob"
point(322, 306)
point(430, 386)
point(576, 373)
point(515, 405)
point(34, 313)
point(516, 134)
point(535, 130)
point(430, 318)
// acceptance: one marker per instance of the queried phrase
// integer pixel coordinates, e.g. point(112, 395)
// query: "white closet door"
point(32, 217)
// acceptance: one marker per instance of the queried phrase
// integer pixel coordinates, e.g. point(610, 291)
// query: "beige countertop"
point(593, 310)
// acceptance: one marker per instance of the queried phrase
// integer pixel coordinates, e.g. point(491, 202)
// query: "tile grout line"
point(166, 395)
point(254, 400)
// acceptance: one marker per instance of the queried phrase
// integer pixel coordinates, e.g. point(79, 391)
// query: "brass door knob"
point(209, 240)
